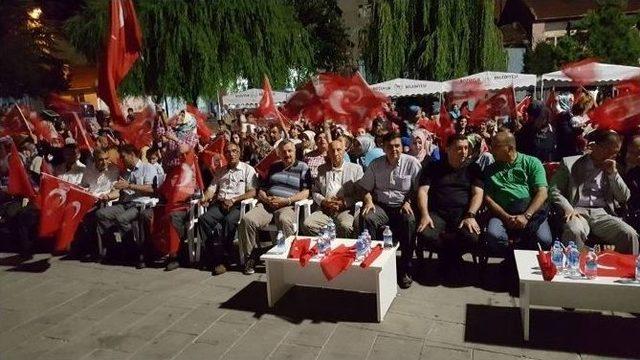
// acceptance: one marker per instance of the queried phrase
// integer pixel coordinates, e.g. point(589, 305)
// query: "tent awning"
point(492, 80)
point(603, 74)
point(251, 98)
point(407, 87)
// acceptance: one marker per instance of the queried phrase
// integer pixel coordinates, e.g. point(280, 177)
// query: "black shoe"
point(172, 265)
point(249, 267)
point(141, 265)
point(405, 281)
point(26, 256)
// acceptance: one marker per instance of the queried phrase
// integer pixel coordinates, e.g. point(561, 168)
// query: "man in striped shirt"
point(288, 181)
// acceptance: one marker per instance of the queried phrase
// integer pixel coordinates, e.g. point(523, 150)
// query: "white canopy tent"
point(603, 74)
point(251, 98)
point(408, 87)
point(493, 80)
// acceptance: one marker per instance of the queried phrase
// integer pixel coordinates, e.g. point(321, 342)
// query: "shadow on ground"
point(301, 303)
point(583, 332)
point(38, 266)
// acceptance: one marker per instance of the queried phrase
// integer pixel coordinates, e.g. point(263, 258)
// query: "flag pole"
point(24, 119)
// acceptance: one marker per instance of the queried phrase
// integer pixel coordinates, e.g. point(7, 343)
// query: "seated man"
point(98, 178)
point(449, 198)
point(333, 190)
point(587, 188)
point(71, 169)
point(230, 185)
point(122, 218)
point(390, 183)
point(515, 192)
point(288, 181)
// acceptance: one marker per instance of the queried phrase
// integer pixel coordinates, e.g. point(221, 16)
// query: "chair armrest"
point(357, 206)
point(306, 205)
point(304, 202)
point(244, 204)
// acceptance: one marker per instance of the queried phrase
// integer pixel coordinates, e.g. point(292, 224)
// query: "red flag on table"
point(213, 154)
point(502, 103)
point(203, 130)
point(79, 203)
point(19, 183)
point(123, 46)
point(80, 134)
point(621, 114)
point(139, 132)
point(267, 112)
point(338, 260)
point(262, 168)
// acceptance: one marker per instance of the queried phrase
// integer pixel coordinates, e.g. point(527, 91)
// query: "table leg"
point(387, 288)
point(524, 309)
point(276, 285)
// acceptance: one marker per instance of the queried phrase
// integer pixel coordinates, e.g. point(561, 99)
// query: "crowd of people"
point(505, 183)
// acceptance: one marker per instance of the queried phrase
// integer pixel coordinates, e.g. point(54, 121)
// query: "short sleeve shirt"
point(234, 182)
point(449, 188)
point(508, 183)
point(390, 184)
point(286, 182)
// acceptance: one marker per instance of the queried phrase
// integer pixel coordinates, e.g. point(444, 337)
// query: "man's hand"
point(425, 222)
point(610, 167)
point(406, 209)
point(328, 206)
point(470, 224)
point(570, 215)
point(226, 204)
point(519, 222)
point(368, 207)
point(121, 184)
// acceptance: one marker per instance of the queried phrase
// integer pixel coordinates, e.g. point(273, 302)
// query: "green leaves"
point(197, 48)
point(432, 39)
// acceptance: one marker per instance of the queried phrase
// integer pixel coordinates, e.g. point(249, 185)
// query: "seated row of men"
point(446, 195)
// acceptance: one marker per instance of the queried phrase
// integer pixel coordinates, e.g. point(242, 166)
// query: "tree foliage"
point(605, 34)
point(196, 48)
point(432, 39)
point(27, 45)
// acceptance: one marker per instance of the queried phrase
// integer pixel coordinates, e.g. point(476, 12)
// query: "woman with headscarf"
point(180, 138)
point(317, 157)
point(365, 150)
point(422, 145)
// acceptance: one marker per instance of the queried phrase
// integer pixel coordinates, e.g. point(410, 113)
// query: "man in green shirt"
point(515, 188)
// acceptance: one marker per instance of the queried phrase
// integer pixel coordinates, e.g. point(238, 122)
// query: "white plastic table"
point(379, 277)
point(602, 293)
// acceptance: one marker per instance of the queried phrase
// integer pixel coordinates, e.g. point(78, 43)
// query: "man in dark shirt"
point(449, 196)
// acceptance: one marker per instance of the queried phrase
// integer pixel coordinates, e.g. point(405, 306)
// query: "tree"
point(197, 48)
point(432, 39)
point(606, 34)
point(332, 49)
point(612, 36)
point(27, 45)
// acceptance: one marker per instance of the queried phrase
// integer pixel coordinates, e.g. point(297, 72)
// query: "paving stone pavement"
point(52, 308)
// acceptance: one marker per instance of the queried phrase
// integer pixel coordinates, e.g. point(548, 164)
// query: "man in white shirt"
point(334, 192)
point(71, 170)
point(230, 185)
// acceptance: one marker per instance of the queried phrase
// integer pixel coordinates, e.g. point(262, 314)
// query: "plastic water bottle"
point(331, 230)
point(638, 268)
point(557, 256)
point(324, 242)
point(387, 236)
point(573, 260)
point(366, 237)
point(591, 265)
point(280, 244)
point(361, 248)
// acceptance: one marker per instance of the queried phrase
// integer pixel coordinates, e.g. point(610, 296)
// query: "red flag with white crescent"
point(267, 112)
point(53, 201)
point(213, 154)
point(19, 183)
point(501, 103)
point(123, 46)
point(139, 132)
point(204, 133)
point(621, 114)
point(262, 168)
point(80, 134)
point(79, 203)
point(14, 123)
point(581, 72)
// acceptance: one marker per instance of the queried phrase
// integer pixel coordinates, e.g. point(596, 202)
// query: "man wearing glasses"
point(230, 185)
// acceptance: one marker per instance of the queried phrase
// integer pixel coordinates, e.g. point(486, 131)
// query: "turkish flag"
point(180, 182)
point(612, 264)
point(123, 47)
point(582, 72)
point(213, 154)
point(14, 122)
point(621, 114)
point(267, 112)
point(19, 183)
point(502, 103)
point(522, 106)
point(262, 168)
point(62, 105)
point(139, 132)
point(631, 86)
point(53, 201)
point(204, 132)
point(80, 134)
point(79, 203)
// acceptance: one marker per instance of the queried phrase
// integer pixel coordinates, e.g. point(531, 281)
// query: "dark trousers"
point(25, 220)
point(218, 228)
point(85, 241)
point(456, 241)
point(536, 231)
point(402, 225)
point(121, 218)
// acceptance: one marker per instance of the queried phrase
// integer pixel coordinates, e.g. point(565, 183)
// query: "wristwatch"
point(470, 215)
point(528, 216)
